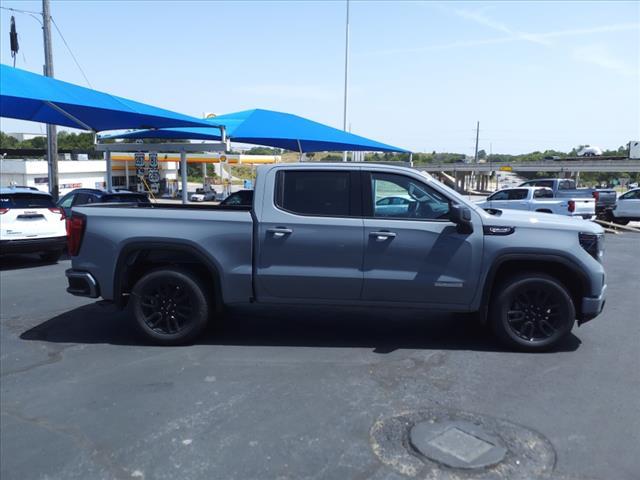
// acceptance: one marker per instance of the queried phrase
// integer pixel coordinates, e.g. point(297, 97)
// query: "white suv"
point(30, 222)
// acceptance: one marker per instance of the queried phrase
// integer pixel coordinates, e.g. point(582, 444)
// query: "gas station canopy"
point(29, 96)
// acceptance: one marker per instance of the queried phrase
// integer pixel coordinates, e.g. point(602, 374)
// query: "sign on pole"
point(153, 173)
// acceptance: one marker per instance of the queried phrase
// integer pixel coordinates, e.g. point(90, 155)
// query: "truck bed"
point(114, 229)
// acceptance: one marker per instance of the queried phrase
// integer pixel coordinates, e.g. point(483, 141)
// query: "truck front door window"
point(397, 196)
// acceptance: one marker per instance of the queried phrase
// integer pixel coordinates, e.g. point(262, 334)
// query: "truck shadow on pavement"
point(381, 330)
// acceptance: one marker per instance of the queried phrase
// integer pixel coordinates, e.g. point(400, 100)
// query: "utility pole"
point(52, 140)
point(475, 156)
point(346, 78)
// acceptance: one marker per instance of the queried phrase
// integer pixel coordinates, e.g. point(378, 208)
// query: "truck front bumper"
point(592, 306)
point(82, 284)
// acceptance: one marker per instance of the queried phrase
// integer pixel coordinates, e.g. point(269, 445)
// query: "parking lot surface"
point(289, 393)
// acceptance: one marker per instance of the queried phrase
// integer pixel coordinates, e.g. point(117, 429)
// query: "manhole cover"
point(457, 444)
point(441, 444)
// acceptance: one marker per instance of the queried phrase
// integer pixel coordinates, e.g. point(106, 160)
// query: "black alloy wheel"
point(170, 306)
point(532, 312)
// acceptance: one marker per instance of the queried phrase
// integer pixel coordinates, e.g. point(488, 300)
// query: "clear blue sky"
point(536, 75)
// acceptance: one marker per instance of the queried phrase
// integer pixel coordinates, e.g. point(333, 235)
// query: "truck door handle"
point(382, 236)
point(279, 232)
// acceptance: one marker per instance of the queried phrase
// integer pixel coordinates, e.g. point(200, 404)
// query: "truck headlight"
point(593, 243)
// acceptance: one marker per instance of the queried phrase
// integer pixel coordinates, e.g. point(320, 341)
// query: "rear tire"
point(170, 307)
point(51, 256)
point(531, 312)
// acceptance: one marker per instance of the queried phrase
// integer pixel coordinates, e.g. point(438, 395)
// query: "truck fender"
point(131, 251)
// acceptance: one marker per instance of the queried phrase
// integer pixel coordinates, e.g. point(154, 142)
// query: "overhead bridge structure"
point(476, 176)
point(597, 165)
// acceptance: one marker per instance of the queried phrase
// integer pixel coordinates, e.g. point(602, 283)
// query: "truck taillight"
point(75, 231)
point(3, 211)
point(572, 206)
point(59, 211)
point(596, 195)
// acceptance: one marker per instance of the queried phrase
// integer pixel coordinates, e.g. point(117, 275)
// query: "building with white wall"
point(76, 174)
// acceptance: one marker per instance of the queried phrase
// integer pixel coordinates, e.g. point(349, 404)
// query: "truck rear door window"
point(518, 194)
point(544, 193)
point(567, 185)
point(326, 193)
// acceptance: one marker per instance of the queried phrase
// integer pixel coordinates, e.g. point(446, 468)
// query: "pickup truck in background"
point(317, 234)
point(539, 199)
point(566, 188)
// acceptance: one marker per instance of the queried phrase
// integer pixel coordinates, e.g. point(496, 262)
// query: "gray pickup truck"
point(352, 234)
point(566, 188)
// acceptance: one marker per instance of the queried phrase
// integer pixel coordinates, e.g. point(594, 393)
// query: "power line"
point(21, 11)
point(38, 16)
point(70, 52)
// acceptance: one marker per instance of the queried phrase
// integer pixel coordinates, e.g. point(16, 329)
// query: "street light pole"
point(346, 78)
point(52, 140)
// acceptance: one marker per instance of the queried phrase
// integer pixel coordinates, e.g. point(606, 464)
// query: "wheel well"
point(135, 263)
point(572, 281)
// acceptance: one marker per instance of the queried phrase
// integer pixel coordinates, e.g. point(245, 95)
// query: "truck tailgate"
point(606, 198)
point(583, 207)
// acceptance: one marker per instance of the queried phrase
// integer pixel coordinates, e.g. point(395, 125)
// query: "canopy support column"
point(300, 150)
point(107, 157)
point(183, 175)
point(126, 172)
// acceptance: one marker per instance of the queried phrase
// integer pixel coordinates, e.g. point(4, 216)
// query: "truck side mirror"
point(461, 216)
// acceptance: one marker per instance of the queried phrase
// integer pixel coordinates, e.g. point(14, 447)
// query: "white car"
point(30, 222)
point(202, 195)
point(539, 199)
point(627, 207)
point(589, 151)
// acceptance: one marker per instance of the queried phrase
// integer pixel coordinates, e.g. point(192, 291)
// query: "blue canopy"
point(29, 96)
point(273, 129)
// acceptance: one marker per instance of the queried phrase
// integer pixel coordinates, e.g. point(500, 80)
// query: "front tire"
point(170, 307)
point(532, 312)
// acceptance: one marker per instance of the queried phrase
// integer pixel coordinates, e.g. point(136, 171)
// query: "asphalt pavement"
point(298, 393)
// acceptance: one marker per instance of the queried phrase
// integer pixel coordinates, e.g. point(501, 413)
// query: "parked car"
point(539, 199)
point(313, 236)
point(589, 151)
point(203, 195)
point(84, 196)
point(627, 208)
point(566, 188)
point(30, 222)
point(241, 198)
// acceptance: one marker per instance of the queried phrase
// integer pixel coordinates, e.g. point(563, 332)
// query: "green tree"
point(7, 141)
